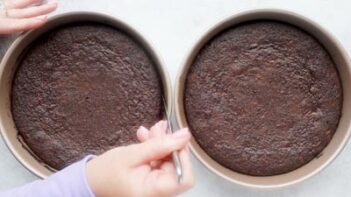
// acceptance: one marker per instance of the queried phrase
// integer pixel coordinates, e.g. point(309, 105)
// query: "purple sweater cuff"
point(69, 182)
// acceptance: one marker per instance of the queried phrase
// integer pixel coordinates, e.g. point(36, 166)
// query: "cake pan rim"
point(55, 21)
point(245, 16)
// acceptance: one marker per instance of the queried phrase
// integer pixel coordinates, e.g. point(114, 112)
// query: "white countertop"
point(173, 26)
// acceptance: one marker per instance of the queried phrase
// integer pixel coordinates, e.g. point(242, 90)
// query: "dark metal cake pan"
point(339, 140)
point(11, 60)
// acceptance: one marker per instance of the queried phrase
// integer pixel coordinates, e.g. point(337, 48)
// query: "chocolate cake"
point(83, 89)
point(263, 98)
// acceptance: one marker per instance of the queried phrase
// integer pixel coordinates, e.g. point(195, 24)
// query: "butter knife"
point(175, 154)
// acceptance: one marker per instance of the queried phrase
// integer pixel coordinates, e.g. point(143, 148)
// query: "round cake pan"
point(10, 62)
point(342, 133)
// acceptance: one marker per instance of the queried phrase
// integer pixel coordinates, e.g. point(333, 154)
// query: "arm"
point(143, 169)
point(69, 182)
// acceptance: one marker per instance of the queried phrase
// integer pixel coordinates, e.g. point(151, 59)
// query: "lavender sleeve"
point(69, 182)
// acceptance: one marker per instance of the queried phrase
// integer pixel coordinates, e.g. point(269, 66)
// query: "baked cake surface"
point(263, 98)
point(83, 89)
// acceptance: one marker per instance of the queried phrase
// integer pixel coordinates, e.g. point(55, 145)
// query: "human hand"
point(143, 169)
point(21, 15)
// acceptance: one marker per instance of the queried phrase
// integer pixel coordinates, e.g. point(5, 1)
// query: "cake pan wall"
point(13, 56)
point(342, 133)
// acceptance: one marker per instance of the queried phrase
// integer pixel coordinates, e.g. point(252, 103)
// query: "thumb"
point(158, 147)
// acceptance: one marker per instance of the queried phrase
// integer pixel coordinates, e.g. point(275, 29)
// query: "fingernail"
point(181, 133)
point(143, 130)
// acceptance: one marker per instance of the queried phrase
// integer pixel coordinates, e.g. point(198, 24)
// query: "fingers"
point(20, 17)
point(168, 167)
point(10, 25)
point(32, 11)
point(158, 147)
point(16, 4)
point(142, 134)
point(164, 182)
point(157, 130)
point(161, 183)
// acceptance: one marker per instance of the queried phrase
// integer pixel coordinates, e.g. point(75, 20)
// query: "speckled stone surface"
point(84, 89)
point(263, 98)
